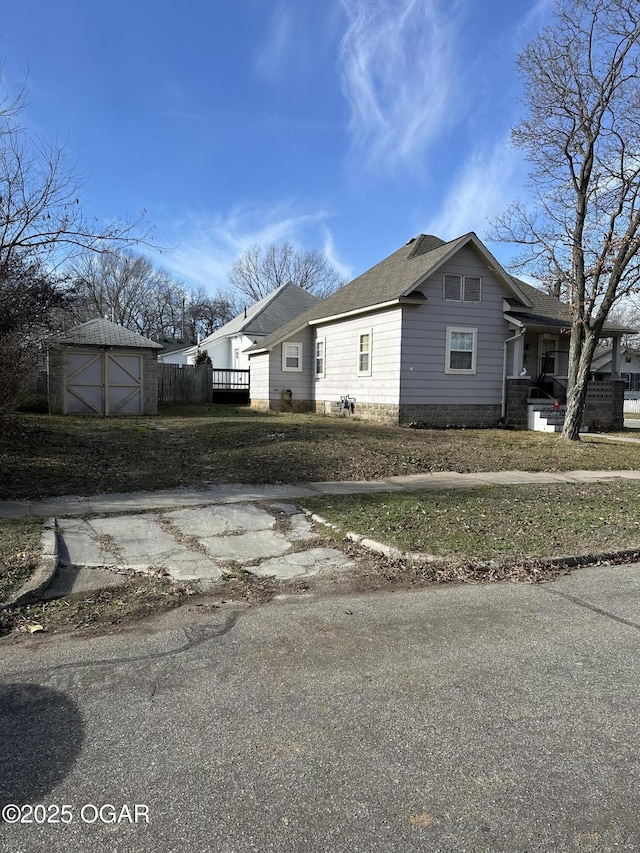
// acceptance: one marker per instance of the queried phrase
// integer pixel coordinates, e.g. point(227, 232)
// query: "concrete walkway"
point(196, 535)
point(239, 493)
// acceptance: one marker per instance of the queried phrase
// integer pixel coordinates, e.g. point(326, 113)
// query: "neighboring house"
point(226, 347)
point(170, 346)
point(438, 334)
point(629, 363)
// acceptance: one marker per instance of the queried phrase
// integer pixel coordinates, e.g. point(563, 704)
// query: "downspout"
point(504, 369)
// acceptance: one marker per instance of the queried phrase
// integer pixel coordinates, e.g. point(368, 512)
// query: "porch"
point(604, 408)
point(178, 383)
point(230, 385)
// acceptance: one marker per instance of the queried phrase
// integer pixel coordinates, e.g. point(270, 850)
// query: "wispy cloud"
point(208, 244)
point(398, 74)
point(534, 18)
point(482, 189)
point(329, 248)
point(269, 60)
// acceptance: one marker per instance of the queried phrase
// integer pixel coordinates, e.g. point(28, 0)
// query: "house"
point(100, 368)
point(226, 347)
point(437, 334)
point(629, 368)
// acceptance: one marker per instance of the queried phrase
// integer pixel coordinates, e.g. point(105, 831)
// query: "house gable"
point(255, 322)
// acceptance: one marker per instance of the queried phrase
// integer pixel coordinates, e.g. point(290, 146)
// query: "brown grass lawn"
point(496, 522)
point(44, 456)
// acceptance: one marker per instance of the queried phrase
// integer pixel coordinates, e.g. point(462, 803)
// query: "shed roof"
point(103, 333)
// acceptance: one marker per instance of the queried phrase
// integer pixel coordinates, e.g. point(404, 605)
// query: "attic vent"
point(471, 291)
point(459, 288)
point(452, 286)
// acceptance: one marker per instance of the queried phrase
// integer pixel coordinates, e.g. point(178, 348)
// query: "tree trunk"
point(577, 392)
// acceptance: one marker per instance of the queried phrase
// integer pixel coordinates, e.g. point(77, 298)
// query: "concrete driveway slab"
point(304, 563)
point(220, 520)
point(247, 547)
point(142, 544)
point(135, 542)
point(191, 543)
point(81, 545)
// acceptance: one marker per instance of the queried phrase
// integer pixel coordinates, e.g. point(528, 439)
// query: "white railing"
point(229, 379)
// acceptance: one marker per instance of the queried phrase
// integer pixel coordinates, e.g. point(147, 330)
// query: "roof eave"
point(367, 309)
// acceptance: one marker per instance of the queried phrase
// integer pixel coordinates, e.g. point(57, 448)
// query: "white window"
point(364, 353)
point(462, 288)
point(320, 349)
point(461, 350)
point(292, 357)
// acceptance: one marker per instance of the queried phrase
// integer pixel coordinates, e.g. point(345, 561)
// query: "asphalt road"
point(463, 718)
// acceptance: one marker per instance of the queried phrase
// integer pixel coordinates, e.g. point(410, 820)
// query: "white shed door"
point(103, 384)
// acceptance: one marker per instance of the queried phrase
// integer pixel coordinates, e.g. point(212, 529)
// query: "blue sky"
point(347, 125)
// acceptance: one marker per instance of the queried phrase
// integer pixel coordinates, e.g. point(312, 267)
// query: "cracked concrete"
point(194, 544)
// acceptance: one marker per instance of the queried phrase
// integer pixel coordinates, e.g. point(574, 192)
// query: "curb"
point(624, 555)
point(47, 566)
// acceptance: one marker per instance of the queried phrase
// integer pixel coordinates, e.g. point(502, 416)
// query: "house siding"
point(276, 389)
point(218, 351)
point(259, 381)
point(427, 392)
point(376, 396)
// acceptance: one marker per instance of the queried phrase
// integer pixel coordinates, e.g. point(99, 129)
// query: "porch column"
point(615, 359)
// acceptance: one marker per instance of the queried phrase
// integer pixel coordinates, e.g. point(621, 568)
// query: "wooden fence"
point(184, 384)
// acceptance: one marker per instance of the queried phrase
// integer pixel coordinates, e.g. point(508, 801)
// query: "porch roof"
point(549, 313)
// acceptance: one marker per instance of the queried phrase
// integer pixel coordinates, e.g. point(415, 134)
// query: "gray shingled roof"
point(287, 302)
point(388, 281)
point(270, 313)
point(404, 271)
point(104, 333)
point(546, 310)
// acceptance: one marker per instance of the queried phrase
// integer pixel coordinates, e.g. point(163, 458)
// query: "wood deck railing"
point(230, 380)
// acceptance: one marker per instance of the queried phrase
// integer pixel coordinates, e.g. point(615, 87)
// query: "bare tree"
point(204, 313)
point(42, 225)
point(40, 211)
point(627, 313)
point(121, 286)
point(128, 289)
point(260, 269)
point(28, 299)
point(581, 136)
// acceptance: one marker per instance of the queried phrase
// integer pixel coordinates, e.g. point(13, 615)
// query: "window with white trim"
point(462, 288)
point(320, 349)
point(292, 357)
point(461, 350)
point(364, 352)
